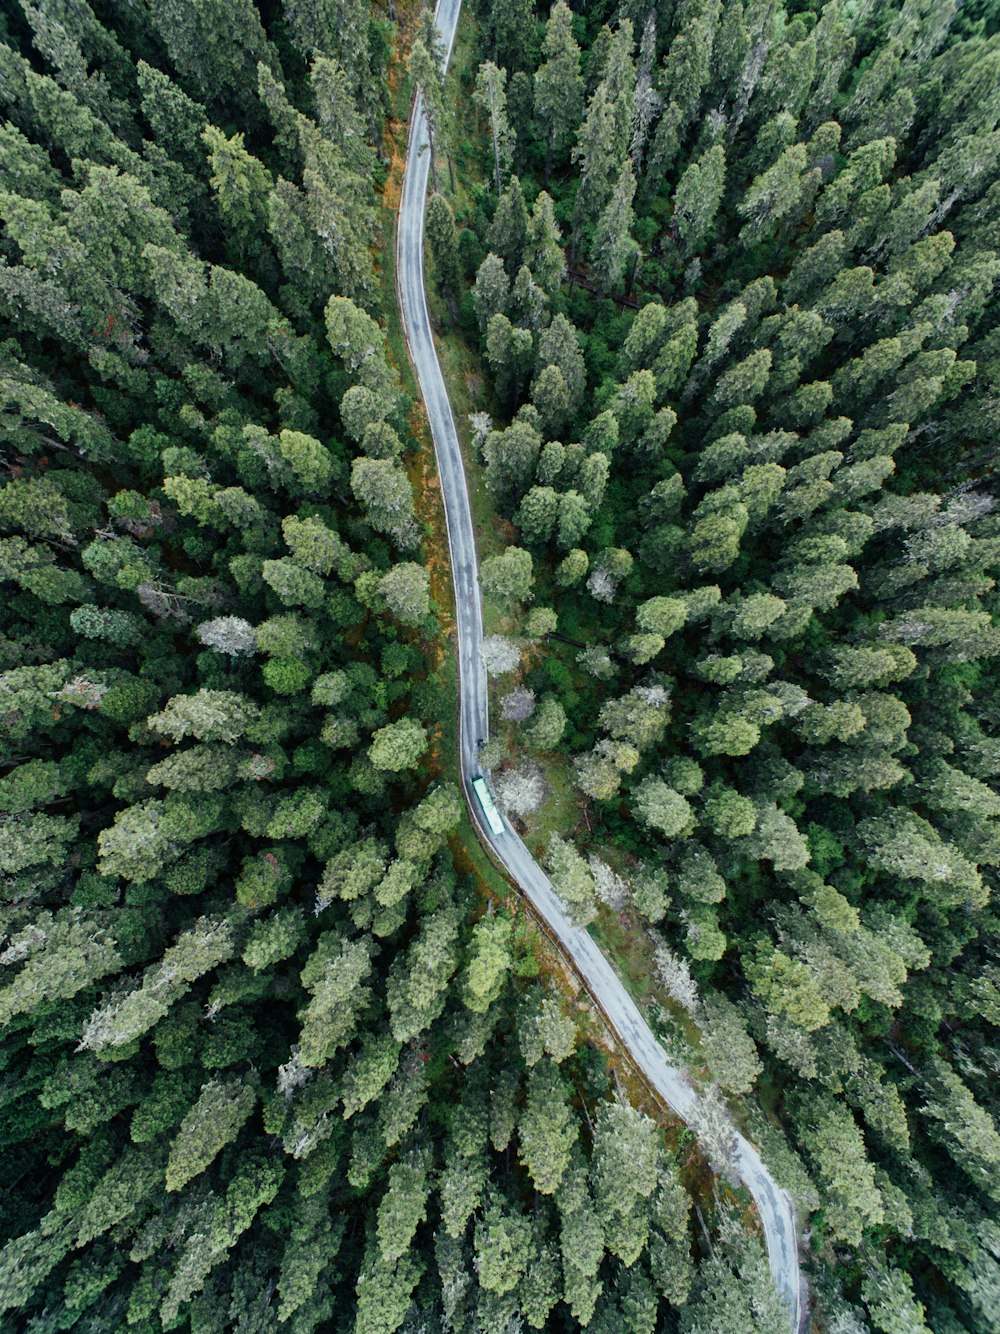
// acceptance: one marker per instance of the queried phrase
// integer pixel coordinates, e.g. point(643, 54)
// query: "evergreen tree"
point(215, 47)
point(558, 84)
point(491, 95)
point(698, 195)
point(543, 246)
point(443, 244)
point(613, 248)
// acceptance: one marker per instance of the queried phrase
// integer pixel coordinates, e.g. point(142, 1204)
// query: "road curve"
point(774, 1205)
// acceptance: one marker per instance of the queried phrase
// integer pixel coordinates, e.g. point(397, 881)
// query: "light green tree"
point(406, 589)
point(572, 880)
point(661, 808)
point(547, 1129)
point(403, 1206)
point(398, 745)
point(489, 962)
point(558, 84)
point(509, 576)
point(222, 1109)
point(846, 1174)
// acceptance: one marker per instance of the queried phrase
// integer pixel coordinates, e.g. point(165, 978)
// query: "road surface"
point(774, 1205)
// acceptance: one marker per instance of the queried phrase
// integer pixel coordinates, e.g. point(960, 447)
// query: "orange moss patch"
point(435, 758)
point(392, 189)
point(421, 468)
point(394, 138)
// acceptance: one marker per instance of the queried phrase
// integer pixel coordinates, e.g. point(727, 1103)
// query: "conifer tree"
point(444, 247)
point(558, 84)
point(491, 95)
point(614, 249)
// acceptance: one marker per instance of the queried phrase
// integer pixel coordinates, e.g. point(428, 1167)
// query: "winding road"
point(774, 1205)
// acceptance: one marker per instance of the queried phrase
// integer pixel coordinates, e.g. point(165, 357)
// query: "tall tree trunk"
point(496, 147)
point(632, 273)
point(430, 142)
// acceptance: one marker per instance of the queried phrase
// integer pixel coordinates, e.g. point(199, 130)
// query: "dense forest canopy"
point(270, 1060)
point(732, 268)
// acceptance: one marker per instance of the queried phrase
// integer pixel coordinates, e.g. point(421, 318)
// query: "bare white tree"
point(519, 791)
point(519, 705)
point(611, 887)
point(163, 602)
point(500, 655)
point(81, 691)
point(231, 635)
point(293, 1074)
point(711, 1122)
point(22, 944)
point(602, 585)
point(675, 975)
point(964, 504)
point(482, 424)
point(656, 696)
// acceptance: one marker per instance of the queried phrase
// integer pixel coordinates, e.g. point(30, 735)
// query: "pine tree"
point(511, 25)
point(508, 229)
point(558, 84)
point(697, 199)
point(613, 248)
point(647, 100)
point(572, 880)
point(491, 96)
point(546, 1130)
point(596, 151)
point(216, 47)
point(492, 290)
point(543, 251)
point(217, 1116)
point(444, 248)
point(425, 68)
point(241, 184)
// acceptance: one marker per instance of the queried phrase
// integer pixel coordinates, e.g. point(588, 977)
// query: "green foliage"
point(819, 804)
point(264, 1055)
point(399, 745)
point(212, 1122)
point(547, 1130)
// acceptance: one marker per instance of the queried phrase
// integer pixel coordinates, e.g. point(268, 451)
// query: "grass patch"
point(630, 950)
point(560, 813)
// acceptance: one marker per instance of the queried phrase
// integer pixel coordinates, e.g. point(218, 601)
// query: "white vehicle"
point(488, 804)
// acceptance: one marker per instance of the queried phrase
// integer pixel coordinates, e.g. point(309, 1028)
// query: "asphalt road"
point(774, 1205)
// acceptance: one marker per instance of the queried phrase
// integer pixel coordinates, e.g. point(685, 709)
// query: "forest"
point(730, 268)
point(270, 1059)
point(273, 1055)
